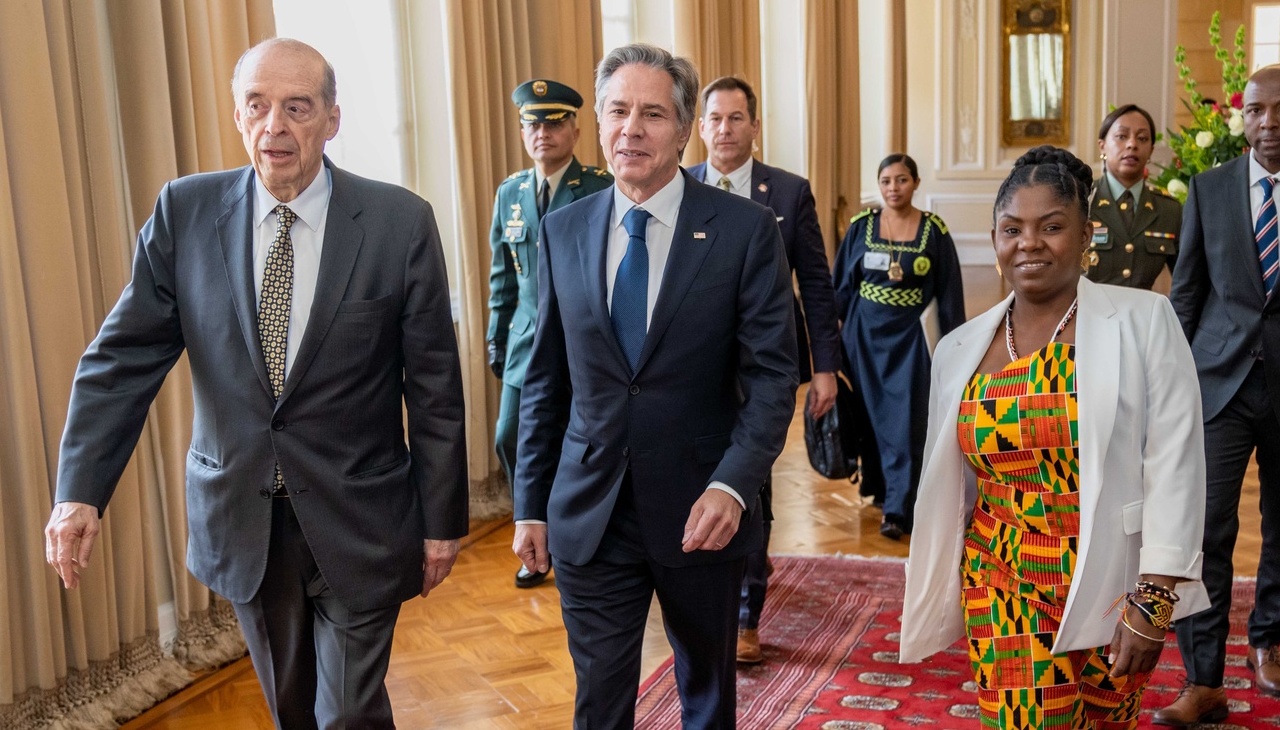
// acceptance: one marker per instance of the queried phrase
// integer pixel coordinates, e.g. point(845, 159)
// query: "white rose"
point(1204, 139)
point(1235, 123)
point(1177, 187)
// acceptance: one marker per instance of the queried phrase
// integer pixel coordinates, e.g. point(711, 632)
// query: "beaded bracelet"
point(1147, 587)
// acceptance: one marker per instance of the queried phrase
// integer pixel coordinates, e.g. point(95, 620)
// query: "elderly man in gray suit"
point(1224, 291)
point(312, 304)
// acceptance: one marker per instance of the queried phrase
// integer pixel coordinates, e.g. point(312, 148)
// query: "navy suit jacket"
point(791, 200)
point(379, 341)
point(712, 396)
point(1217, 287)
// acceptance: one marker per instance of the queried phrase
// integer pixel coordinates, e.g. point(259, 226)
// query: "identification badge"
point(515, 226)
point(1099, 234)
point(876, 260)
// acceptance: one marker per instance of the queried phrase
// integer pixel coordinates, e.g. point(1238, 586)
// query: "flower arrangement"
point(1216, 134)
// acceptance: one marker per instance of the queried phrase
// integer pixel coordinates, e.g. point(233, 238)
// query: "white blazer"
point(1142, 479)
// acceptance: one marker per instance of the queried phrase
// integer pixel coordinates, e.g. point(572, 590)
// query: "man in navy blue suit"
point(657, 397)
point(729, 127)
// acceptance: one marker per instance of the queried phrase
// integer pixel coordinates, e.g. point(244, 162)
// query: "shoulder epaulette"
point(516, 174)
point(936, 221)
point(598, 172)
point(866, 212)
point(1161, 192)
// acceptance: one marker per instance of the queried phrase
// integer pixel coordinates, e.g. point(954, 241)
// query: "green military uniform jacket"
point(1132, 256)
point(513, 274)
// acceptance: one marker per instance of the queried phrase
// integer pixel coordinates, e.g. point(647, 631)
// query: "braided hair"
point(1071, 179)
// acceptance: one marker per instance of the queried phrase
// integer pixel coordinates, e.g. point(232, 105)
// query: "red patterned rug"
point(831, 650)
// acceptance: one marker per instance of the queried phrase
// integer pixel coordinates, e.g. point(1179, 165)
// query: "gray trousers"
point(320, 665)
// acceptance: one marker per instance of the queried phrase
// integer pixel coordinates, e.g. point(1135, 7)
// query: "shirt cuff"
point(726, 488)
point(534, 522)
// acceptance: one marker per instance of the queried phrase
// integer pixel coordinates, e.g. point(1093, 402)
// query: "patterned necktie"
point(544, 198)
point(1126, 210)
point(273, 309)
point(724, 183)
point(629, 312)
point(1264, 231)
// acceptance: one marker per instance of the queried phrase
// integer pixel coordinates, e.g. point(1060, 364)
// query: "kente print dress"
point(1018, 429)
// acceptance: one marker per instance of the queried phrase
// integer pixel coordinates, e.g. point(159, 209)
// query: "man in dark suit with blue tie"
point(657, 397)
point(1225, 294)
point(313, 308)
point(729, 127)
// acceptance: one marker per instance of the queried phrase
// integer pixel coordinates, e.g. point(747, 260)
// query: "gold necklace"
point(895, 254)
point(1008, 327)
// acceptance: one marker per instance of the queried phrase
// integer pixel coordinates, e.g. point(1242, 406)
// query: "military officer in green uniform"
point(549, 127)
point(1135, 226)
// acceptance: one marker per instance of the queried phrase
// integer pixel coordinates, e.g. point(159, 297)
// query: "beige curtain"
point(831, 70)
point(722, 38)
point(100, 103)
point(492, 46)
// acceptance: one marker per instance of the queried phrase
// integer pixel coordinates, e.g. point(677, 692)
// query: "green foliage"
point(1216, 134)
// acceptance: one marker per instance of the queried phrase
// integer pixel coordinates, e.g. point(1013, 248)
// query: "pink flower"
point(1237, 100)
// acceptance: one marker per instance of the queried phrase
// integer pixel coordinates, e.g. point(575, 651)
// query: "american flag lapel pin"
point(699, 235)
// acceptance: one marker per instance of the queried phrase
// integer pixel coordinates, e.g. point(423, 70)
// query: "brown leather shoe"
point(1265, 664)
point(1195, 703)
point(749, 647)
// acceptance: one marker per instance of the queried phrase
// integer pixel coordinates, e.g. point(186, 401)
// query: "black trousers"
point(1247, 423)
point(320, 665)
point(604, 605)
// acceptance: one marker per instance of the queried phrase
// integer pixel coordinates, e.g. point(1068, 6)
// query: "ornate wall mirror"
point(1036, 83)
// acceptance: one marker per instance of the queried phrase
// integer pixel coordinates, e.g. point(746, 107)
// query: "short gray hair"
point(328, 85)
point(684, 77)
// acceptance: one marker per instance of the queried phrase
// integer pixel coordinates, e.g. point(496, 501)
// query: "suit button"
point(626, 451)
point(264, 493)
point(634, 390)
point(1126, 273)
point(278, 425)
point(1128, 248)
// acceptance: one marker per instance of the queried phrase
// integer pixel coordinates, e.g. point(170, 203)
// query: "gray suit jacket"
point(1217, 287)
point(380, 334)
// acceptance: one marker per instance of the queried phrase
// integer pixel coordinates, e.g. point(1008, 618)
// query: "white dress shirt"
point(739, 179)
point(307, 235)
point(1256, 173)
point(664, 207)
point(554, 179)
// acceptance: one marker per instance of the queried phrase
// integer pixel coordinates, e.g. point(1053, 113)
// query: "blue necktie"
point(1264, 231)
point(631, 289)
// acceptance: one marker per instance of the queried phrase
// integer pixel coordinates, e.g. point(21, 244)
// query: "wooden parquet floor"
point(479, 653)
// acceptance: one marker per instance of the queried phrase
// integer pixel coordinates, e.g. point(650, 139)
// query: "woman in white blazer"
point(1059, 482)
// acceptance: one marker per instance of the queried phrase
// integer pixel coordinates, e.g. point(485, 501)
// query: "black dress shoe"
point(526, 578)
point(891, 528)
